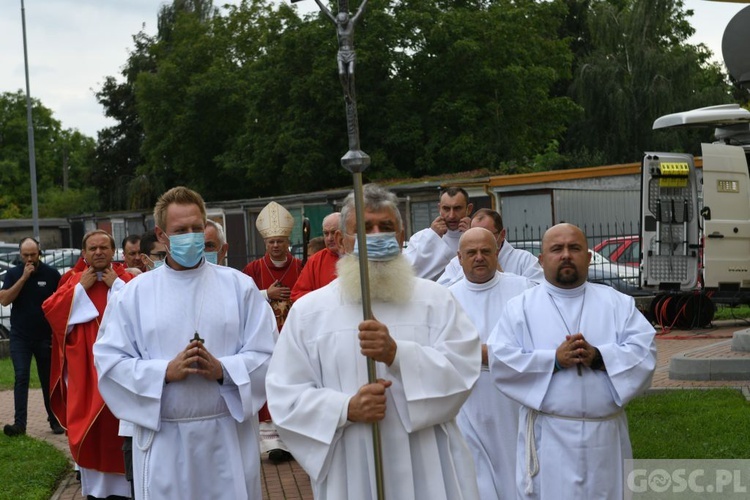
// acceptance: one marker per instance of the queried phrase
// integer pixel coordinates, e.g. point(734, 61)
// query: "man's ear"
point(469, 209)
point(338, 237)
point(161, 236)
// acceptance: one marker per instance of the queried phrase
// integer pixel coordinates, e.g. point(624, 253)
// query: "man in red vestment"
point(275, 275)
point(74, 312)
point(321, 267)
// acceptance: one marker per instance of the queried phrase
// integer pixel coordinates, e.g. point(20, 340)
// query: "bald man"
point(320, 268)
point(510, 259)
point(488, 419)
point(572, 353)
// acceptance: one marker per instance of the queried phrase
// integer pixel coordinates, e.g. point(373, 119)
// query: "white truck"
point(696, 221)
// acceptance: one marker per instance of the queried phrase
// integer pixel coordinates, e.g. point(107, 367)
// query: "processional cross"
point(356, 161)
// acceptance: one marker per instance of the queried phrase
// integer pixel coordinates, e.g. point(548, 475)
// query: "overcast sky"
point(74, 44)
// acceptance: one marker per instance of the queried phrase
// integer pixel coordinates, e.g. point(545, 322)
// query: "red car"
point(622, 250)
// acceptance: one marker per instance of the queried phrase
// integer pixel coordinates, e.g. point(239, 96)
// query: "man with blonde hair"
point(182, 354)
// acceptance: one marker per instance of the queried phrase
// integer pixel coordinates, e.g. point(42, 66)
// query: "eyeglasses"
point(160, 255)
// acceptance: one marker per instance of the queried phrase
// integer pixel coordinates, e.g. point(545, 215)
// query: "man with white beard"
point(426, 351)
point(573, 354)
point(488, 419)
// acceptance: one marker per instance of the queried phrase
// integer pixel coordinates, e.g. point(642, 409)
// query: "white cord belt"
point(531, 459)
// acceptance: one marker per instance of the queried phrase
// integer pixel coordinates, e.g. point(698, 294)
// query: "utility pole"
point(30, 125)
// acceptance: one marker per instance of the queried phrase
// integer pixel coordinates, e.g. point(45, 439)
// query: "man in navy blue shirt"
point(26, 286)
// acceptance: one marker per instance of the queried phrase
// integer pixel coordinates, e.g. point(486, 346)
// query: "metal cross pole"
point(356, 161)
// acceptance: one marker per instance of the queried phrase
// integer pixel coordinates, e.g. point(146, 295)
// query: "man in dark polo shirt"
point(26, 286)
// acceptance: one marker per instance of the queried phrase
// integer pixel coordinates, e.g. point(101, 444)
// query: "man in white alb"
point(426, 352)
point(488, 419)
point(510, 259)
point(573, 354)
point(432, 248)
point(182, 353)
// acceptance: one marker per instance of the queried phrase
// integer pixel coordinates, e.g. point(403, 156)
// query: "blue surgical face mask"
point(381, 247)
point(157, 263)
point(212, 257)
point(187, 248)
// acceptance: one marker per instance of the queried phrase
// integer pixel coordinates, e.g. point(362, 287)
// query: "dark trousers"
point(21, 351)
point(127, 454)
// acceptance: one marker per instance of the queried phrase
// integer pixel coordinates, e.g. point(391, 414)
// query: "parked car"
point(11, 258)
point(601, 270)
point(61, 259)
point(625, 250)
point(8, 255)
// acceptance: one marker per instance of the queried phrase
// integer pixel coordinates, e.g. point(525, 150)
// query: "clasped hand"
point(575, 350)
point(194, 360)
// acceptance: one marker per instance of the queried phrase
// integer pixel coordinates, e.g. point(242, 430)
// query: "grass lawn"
point(6, 375)
point(726, 312)
point(30, 469)
point(690, 424)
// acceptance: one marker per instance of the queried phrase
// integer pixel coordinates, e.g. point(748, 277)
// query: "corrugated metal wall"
point(594, 208)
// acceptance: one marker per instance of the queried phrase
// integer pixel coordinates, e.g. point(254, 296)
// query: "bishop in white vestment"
point(573, 354)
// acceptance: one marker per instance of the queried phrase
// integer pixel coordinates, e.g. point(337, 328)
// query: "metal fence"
point(616, 252)
point(616, 264)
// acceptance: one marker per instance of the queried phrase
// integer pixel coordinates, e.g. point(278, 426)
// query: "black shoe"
point(14, 430)
point(279, 456)
point(57, 428)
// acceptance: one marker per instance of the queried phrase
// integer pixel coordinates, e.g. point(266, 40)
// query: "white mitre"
point(274, 221)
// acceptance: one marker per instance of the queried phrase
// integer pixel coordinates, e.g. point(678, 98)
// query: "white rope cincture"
point(146, 448)
point(531, 458)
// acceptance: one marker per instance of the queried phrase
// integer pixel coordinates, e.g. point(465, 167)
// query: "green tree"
point(62, 155)
point(118, 149)
point(55, 202)
point(122, 175)
point(640, 67)
point(482, 80)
